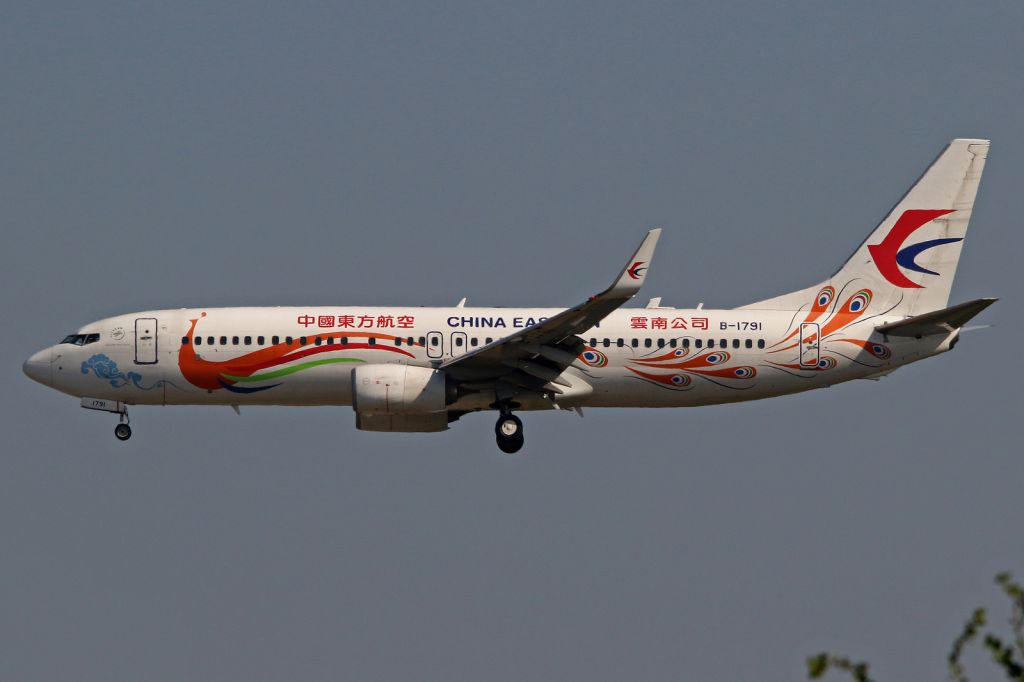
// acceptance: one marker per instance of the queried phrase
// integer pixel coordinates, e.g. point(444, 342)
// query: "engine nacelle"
point(399, 390)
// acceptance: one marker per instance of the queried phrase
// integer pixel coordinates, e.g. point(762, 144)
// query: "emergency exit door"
point(435, 345)
point(145, 341)
point(810, 344)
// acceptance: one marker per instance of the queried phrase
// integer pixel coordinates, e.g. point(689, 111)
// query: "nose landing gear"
point(509, 432)
point(122, 431)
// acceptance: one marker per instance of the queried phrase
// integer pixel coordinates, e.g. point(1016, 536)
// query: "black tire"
point(510, 445)
point(122, 432)
point(509, 433)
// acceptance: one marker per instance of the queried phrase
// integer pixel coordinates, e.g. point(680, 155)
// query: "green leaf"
point(817, 665)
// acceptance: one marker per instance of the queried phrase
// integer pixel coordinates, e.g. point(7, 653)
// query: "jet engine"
point(401, 398)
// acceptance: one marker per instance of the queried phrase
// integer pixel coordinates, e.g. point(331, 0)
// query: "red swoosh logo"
point(635, 269)
point(884, 253)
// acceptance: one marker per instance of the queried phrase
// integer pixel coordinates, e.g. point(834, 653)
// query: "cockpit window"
point(81, 339)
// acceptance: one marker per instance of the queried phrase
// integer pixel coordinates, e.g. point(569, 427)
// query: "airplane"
point(419, 369)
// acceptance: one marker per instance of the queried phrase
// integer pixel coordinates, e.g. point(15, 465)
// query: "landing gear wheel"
point(123, 431)
point(509, 433)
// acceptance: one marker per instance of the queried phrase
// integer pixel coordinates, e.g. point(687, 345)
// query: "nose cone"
point(39, 368)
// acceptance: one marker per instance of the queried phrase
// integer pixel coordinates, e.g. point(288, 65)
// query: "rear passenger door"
point(809, 344)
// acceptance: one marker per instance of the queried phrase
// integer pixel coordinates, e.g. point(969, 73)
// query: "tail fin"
point(909, 278)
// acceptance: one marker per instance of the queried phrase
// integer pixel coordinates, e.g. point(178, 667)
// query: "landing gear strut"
point(509, 432)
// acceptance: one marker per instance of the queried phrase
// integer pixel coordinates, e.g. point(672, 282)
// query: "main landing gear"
point(509, 432)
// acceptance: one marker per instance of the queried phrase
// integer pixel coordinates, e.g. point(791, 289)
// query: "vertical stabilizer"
point(908, 262)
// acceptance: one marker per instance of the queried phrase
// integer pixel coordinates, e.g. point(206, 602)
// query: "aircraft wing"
point(535, 356)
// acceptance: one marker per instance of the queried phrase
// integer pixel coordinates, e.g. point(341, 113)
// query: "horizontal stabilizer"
point(936, 322)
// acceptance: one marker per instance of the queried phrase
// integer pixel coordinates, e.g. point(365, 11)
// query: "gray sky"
point(189, 154)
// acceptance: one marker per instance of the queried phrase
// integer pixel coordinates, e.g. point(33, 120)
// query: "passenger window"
point(398, 340)
point(199, 340)
point(234, 340)
point(711, 343)
point(373, 342)
point(275, 340)
point(288, 340)
point(209, 340)
point(259, 340)
point(344, 340)
point(760, 343)
point(302, 340)
point(423, 341)
point(474, 341)
point(184, 340)
point(671, 343)
point(330, 340)
point(697, 343)
point(735, 343)
point(248, 340)
point(458, 341)
point(317, 341)
point(433, 341)
point(224, 341)
point(686, 343)
point(748, 343)
point(635, 343)
point(489, 340)
point(410, 342)
point(606, 343)
point(620, 343)
point(661, 343)
point(647, 343)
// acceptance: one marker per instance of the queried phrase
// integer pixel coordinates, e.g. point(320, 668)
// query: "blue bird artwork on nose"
point(106, 369)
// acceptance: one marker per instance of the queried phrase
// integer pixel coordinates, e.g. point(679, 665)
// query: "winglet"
point(635, 272)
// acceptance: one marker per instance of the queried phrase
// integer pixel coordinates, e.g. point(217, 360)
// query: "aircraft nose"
point(39, 368)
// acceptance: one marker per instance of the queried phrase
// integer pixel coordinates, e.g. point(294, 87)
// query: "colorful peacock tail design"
point(591, 357)
point(848, 313)
point(878, 350)
point(828, 324)
point(820, 306)
point(673, 370)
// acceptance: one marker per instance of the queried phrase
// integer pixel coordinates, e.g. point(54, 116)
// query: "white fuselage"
point(636, 357)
